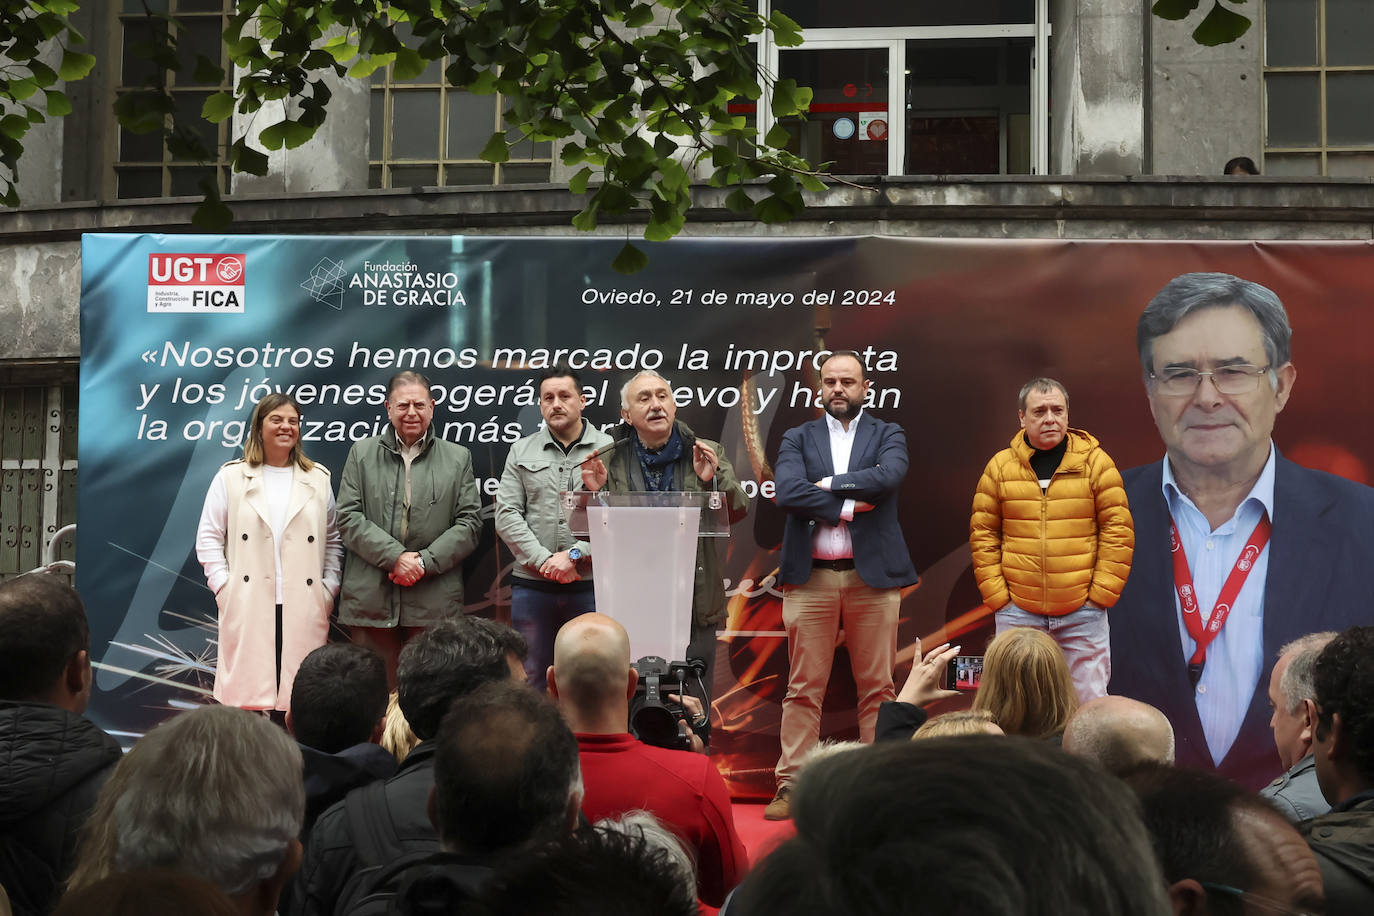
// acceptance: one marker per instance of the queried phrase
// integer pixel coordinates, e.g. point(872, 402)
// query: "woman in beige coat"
point(268, 540)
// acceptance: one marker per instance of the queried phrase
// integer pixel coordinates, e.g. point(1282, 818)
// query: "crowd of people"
point(516, 801)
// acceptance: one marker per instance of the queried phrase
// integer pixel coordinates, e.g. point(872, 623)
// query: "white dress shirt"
point(1235, 659)
point(833, 542)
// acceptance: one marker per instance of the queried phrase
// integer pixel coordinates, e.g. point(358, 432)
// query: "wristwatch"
point(574, 554)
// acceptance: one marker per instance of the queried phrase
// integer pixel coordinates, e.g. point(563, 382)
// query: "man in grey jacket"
point(409, 515)
point(551, 582)
point(1294, 701)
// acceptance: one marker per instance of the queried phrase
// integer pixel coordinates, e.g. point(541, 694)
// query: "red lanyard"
point(1203, 634)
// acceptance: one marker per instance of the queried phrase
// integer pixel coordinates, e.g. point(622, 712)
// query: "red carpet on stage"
point(758, 836)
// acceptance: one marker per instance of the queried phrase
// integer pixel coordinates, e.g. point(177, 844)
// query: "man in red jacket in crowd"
point(592, 681)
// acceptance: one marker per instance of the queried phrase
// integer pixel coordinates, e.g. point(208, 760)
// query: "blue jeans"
point(538, 615)
point(1084, 637)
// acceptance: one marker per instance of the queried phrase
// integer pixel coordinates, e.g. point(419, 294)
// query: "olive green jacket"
point(443, 526)
point(623, 475)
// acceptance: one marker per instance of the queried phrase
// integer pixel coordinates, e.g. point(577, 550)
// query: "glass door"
point(855, 119)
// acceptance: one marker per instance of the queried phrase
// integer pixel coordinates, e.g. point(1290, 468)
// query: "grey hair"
point(1189, 293)
point(642, 373)
point(216, 792)
point(643, 825)
point(1296, 681)
point(1042, 385)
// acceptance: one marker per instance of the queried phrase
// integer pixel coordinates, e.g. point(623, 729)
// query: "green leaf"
point(496, 150)
point(341, 49)
point(290, 134)
point(641, 15)
point(774, 209)
point(207, 72)
point(58, 104)
point(212, 215)
point(787, 100)
point(811, 183)
point(366, 66)
point(778, 136)
point(23, 88)
point(1174, 9)
point(786, 32)
point(218, 107)
point(42, 74)
point(585, 220)
point(244, 158)
point(630, 260)
point(1220, 26)
point(409, 65)
point(14, 125)
point(739, 201)
point(578, 183)
point(75, 65)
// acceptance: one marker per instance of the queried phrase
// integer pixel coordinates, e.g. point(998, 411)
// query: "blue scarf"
point(657, 467)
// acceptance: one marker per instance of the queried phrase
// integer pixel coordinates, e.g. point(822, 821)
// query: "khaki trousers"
point(813, 615)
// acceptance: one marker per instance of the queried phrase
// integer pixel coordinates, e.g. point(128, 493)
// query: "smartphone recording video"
point(965, 672)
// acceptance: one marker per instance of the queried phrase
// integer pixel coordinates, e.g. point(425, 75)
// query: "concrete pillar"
point(1206, 104)
point(1097, 72)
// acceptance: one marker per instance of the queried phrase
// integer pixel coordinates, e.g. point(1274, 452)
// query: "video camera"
point(655, 719)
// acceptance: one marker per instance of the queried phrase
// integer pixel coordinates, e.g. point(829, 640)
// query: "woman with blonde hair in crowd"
point(960, 722)
point(268, 539)
point(1026, 684)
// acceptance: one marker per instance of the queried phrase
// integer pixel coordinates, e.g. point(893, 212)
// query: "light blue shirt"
point(1235, 659)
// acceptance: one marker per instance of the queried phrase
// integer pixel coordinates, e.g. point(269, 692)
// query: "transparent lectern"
point(644, 552)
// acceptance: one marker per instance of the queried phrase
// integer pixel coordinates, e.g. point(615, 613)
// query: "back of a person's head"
point(976, 824)
point(1217, 841)
point(451, 659)
point(1343, 678)
point(1120, 734)
point(216, 792)
point(506, 771)
point(959, 722)
point(602, 870)
point(1026, 684)
point(338, 697)
point(397, 737)
point(42, 626)
point(155, 892)
point(591, 660)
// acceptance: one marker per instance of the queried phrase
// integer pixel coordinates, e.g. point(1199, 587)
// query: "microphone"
point(599, 453)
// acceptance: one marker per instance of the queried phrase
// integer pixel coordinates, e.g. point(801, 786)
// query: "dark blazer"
point(877, 465)
point(1320, 554)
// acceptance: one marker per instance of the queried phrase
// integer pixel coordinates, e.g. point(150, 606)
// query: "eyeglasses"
point(1255, 901)
point(405, 406)
point(1180, 381)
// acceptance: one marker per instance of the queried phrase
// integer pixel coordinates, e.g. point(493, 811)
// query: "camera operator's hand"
point(697, 718)
point(923, 684)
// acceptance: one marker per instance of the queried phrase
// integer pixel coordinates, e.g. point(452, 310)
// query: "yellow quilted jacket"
point(1051, 551)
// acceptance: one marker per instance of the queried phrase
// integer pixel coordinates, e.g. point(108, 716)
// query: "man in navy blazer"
point(844, 560)
point(1215, 352)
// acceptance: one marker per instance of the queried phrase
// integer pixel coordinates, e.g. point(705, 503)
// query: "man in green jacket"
point(409, 515)
point(655, 451)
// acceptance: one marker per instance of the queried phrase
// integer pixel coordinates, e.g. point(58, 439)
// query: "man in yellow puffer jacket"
point(1051, 535)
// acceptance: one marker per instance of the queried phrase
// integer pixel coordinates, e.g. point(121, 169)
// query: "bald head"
point(1119, 733)
point(591, 675)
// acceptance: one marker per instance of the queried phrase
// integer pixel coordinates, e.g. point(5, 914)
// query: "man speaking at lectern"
point(844, 560)
point(652, 450)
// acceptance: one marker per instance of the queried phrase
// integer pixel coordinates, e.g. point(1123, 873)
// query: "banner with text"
point(182, 334)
